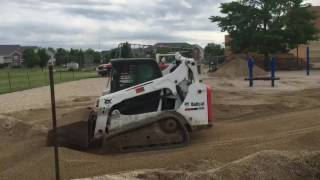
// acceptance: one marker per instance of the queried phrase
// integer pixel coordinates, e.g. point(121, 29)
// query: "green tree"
point(299, 30)
point(81, 58)
point(92, 56)
point(43, 57)
point(95, 55)
point(31, 58)
point(213, 49)
point(73, 55)
point(263, 25)
point(61, 56)
point(51, 49)
point(106, 56)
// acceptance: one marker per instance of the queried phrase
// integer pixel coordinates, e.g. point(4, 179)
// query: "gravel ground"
point(40, 97)
point(247, 121)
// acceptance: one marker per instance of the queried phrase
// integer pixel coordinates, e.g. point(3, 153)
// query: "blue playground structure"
point(271, 78)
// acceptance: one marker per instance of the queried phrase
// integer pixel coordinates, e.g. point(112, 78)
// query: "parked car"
point(104, 69)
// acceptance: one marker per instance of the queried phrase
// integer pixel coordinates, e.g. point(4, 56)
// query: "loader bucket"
point(73, 136)
point(76, 135)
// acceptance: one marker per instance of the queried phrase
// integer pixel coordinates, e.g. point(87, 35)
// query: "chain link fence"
point(12, 80)
point(212, 63)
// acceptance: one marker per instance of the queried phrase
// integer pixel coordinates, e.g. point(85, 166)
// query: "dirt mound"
point(12, 127)
point(237, 67)
point(271, 165)
point(262, 165)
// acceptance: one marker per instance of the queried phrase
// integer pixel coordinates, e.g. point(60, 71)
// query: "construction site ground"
point(252, 126)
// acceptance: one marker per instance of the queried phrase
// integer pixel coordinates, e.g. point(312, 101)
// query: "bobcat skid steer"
point(144, 109)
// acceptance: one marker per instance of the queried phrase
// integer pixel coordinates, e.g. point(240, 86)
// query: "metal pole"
point(29, 83)
point(44, 78)
point(9, 80)
point(250, 66)
point(120, 50)
point(273, 71)
point(308, 61)
point(54, 124)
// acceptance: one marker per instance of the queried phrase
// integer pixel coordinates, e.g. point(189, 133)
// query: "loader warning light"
point(139, 90)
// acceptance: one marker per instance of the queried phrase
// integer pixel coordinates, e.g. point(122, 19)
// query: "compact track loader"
point(144, 108)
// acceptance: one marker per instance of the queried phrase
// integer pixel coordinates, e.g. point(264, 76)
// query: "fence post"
point(73, 75)
point(29, 83)
point(44, 78)
point(60, 75)
point(9, 81)
point(54, 123)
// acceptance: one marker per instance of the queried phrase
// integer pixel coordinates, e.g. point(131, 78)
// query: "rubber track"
point(149, 147)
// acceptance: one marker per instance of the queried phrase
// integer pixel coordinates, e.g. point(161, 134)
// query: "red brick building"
point(314, 45)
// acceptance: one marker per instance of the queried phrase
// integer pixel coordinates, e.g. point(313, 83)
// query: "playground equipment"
point(272, 78)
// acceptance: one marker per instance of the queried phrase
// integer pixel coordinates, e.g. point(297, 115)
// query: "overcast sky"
point(102, 24)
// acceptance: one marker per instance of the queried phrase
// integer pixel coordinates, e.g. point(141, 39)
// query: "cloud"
point(314, 2)
point(105, 23)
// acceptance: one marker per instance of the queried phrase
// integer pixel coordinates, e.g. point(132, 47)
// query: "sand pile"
point(271, 165)
point(262, 165)
point(13, 127)
point(237, 67)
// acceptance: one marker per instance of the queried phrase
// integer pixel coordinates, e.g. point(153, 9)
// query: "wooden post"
point(54, 123)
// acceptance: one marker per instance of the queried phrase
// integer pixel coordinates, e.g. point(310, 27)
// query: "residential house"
point(11, 55)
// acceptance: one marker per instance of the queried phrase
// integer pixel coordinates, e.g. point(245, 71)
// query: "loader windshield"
point(128, 73)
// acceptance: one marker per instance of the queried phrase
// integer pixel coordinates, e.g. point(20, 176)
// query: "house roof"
point(29, 47)
point(8, 49)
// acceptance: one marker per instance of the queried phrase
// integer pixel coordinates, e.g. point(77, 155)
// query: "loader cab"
point(132, 71)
